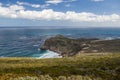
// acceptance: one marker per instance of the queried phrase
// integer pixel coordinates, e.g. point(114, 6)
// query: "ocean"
point(22, 42)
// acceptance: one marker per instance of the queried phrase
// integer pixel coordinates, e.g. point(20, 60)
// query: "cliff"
point(69, 47)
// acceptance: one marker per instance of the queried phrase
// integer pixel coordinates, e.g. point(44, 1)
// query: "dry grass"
point(105, 66)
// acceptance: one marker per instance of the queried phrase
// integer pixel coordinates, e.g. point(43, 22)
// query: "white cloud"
point(70, 0)
point(10, 11)
point(32, 5)
point(97, 0)
point(16, 7)
point(15, 11)
point(0, 4)
point(58, 1)
point(67, 5)
point(54, 1)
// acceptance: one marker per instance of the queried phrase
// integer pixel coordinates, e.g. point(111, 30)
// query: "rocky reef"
point(69, 47)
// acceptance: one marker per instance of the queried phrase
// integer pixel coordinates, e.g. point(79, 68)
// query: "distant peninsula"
point(69, 47)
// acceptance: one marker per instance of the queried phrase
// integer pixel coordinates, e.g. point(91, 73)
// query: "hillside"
point(69, 47)
point(79, 67)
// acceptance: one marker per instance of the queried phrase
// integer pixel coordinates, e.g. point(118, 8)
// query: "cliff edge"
point(69, 47)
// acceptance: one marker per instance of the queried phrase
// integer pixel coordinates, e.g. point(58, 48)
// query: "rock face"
point(69, 47)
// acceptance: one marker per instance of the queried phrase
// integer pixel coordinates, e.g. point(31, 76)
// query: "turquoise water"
point(19, 42)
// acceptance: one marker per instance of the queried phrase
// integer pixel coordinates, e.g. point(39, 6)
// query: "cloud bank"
point(17, 11)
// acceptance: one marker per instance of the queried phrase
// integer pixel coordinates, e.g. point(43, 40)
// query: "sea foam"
point(50, 54)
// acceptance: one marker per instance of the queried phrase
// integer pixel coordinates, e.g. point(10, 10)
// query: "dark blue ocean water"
point(19, 42)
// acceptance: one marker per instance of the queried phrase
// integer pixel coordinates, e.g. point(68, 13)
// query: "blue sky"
point(61, 13)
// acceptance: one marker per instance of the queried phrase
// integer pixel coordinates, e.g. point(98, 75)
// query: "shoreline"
point(50, 54)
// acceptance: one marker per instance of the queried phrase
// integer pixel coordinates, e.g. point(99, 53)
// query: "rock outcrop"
point(69, 47)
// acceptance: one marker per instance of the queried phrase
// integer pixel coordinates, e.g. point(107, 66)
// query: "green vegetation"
point(84, 66)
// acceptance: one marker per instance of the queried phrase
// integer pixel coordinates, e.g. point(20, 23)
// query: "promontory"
point(68, 46)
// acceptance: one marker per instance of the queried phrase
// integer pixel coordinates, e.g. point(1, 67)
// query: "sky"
point(60, 13)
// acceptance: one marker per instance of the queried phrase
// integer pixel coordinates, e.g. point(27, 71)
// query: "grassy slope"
point(106, 66)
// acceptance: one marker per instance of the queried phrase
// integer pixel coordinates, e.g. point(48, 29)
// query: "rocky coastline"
point(69, 47)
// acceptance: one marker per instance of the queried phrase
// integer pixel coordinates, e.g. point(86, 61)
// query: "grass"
point(93, 66)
